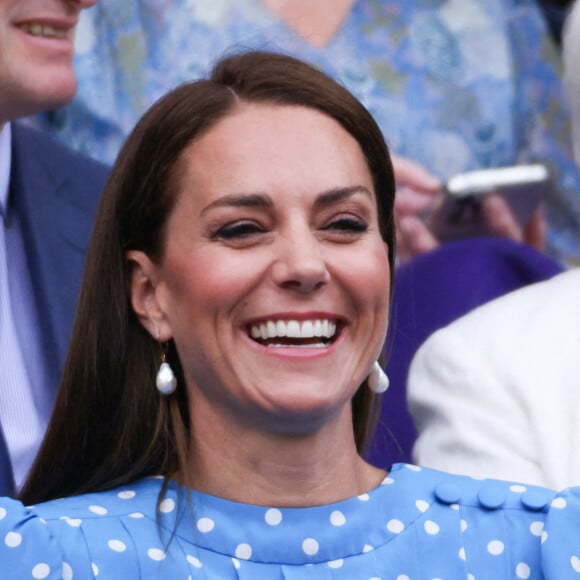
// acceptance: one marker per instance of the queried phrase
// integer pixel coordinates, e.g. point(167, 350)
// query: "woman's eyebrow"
point(240, 200)
point(337, 194)
point(262, 200)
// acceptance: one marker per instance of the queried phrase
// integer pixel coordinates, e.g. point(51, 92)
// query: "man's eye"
point(347, 225)
point(238, 230)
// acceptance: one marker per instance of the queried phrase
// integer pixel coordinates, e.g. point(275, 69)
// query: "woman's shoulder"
point(476, 498)
point(480, 493)
point(492, 524)
point(78, 535)
point(139, 496)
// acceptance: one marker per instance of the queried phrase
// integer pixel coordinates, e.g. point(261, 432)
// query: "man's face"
point(36, 52)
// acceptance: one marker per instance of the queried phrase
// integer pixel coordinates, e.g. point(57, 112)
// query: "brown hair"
point(110, 425)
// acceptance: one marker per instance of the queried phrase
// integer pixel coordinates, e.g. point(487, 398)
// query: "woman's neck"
point(250, 466)
point(316, 22)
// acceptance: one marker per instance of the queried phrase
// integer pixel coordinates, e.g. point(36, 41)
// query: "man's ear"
point(144, 290)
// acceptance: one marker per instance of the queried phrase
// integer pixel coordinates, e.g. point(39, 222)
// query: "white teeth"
point(43, 30)
point(307, 329)
point(280, 329)
point(317, 328)
point(293, 329)
point(313, 345)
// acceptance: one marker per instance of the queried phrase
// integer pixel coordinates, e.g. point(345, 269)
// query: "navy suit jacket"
point(54, 191)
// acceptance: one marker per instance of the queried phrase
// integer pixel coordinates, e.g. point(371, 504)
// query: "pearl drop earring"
point(165, 381)
point(378, 380)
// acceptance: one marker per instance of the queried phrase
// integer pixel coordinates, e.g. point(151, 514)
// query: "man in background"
point(48, 196)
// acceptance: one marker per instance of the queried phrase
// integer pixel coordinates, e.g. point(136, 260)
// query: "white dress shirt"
point(22, 391)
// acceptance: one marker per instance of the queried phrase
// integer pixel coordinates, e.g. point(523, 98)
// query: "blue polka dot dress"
point(418, 524)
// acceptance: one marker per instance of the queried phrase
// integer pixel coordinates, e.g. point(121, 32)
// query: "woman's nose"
point(300, 265)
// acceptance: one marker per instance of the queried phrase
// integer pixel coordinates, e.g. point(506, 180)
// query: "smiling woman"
point(262, 194)
point(245, 243)
point(250, 244)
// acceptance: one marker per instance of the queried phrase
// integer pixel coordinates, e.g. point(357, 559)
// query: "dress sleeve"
point(561, 537)
point(27, 547)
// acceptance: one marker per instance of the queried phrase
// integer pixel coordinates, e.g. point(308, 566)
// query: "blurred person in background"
point(496, 392)
point(455, 84)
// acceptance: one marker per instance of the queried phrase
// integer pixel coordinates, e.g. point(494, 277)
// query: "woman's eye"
point(349, 225)
point(238, 230)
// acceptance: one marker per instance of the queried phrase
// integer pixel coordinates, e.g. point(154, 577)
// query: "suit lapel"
point(56, 217)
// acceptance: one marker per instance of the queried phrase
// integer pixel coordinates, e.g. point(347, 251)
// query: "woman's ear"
point(145, 293)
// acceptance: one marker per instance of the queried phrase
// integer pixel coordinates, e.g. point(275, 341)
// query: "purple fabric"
point(430, 292)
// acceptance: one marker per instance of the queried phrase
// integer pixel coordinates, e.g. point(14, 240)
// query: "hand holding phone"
point(458, 213)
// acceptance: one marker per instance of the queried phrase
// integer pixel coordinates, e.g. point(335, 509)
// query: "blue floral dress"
point(418, 524)
point(454, 84)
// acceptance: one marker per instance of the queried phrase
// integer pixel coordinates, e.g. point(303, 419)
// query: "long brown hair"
point(110, 425)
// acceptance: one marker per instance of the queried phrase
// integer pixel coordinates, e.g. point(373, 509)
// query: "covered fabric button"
point(448, 493)
point(491, 496)
point(536, 499)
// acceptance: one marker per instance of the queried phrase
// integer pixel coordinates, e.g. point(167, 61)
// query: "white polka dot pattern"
point(244, 551)
point(273, 517)
point(523, 570)
point(205, 525)
point(13, 539)
point(431, 528)
point(167, 506)
point(156, 554)
point(536, 528)
point(422, 505)
point(98, 509)
point(495, 548)
point(116, 545)
point(67, 571)
point(195, 562)
point(337, 518)
point(559, 503)
point(395, 526)
point(310, 546)
point(455, 526)
point(41, 571)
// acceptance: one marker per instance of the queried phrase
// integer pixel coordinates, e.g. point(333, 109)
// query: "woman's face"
point(274, 282)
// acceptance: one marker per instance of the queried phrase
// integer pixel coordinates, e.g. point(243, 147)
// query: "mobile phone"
point(458, 213)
